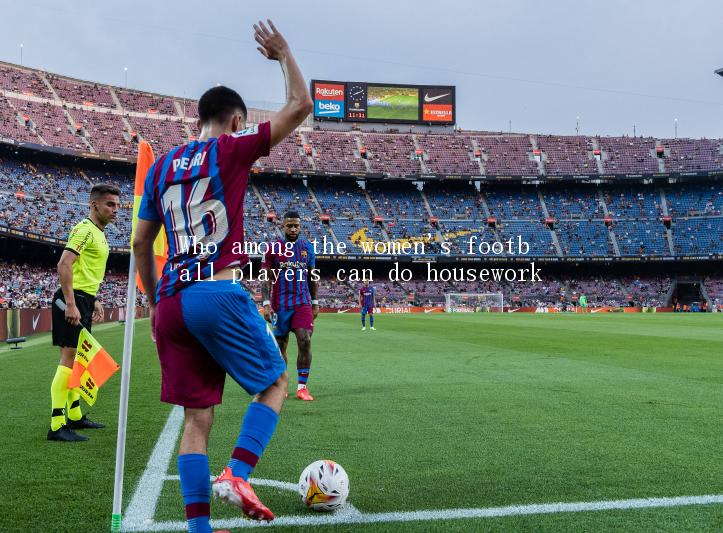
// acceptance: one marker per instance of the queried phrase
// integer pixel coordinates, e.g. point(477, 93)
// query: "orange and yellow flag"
point(92, 367)
point(160, 246)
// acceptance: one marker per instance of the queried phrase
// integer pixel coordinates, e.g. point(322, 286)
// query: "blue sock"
point(371, 321)
point(258, 426)
point(196, 491)
point(364, 320)
point(303, 375)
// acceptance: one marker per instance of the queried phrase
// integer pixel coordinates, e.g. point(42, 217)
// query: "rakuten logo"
point(327, 91)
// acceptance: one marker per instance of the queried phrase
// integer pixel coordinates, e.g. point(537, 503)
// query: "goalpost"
point(472, 302)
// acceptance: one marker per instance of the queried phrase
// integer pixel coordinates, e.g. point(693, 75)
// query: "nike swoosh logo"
point(35, 321)
point(340, 311)
point(428, 311)
point(428, 98)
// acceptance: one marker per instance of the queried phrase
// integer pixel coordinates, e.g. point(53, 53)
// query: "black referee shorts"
point(64, 333)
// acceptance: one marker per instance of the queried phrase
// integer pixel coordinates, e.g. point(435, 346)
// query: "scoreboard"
point(354, 101)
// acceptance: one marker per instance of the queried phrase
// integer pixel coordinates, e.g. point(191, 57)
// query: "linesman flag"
point(92, 367)
point(160, 246)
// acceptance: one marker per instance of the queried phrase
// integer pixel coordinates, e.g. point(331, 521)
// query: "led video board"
point(353, 101)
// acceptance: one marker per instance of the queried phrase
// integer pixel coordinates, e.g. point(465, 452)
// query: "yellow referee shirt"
point(87, 241)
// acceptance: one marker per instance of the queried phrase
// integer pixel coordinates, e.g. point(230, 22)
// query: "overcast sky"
point(614, 63)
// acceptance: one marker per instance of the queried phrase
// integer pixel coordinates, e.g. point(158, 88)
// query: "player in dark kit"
point(290, 302)
point(206, 325)
point(367, 302)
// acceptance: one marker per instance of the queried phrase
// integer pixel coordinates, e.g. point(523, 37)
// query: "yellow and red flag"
point(92, 367)
point(160, 245)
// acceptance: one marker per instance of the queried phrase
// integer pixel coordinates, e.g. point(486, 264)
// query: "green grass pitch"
point(429, 412)
point(401, 107)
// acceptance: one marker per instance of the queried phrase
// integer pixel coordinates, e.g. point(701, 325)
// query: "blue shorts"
point(367, 310)
point(207, 330)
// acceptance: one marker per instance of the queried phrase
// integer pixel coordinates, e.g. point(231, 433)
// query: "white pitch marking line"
point(341, 517)
point(142, 508)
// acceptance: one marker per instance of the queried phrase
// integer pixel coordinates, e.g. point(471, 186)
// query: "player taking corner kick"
point(290, 302)
point(206, 325)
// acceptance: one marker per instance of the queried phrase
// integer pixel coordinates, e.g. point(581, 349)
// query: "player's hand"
point(72, 314)
point(272, 43)
point(98, 312)
point(315, 310)
point(152, 319)
point(267, 314)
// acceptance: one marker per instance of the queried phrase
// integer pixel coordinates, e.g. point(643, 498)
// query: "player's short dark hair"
point(101, 189)
point(291, 214)
point(218, 104)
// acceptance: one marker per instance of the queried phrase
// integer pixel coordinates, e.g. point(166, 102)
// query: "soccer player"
point(583, 303)
point(206, 325)
point(81, 270)
point(291, 299)
point(367, 302)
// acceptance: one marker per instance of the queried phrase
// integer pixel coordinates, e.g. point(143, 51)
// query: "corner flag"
point(160, 245)
point(92, 367)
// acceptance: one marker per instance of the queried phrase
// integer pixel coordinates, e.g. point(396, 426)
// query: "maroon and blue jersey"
point(291, 290)
point(197, 190)
point(367, 295)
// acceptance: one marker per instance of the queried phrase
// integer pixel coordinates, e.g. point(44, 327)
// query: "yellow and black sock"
point(74, 412)
point(59, 396)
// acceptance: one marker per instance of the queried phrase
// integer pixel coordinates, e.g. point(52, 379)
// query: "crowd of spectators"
point(25, 285)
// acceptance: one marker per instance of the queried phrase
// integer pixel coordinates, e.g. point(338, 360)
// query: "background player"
point(367, 302)
point(290, 303)
point(583, 303)
point(206, 330)
point(81, 270)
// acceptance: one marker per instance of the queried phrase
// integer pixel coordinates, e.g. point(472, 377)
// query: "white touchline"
point(448, 514)
point(140, 512)
point(143, 505)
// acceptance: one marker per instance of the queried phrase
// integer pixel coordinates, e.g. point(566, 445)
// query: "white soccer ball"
point(324, 486)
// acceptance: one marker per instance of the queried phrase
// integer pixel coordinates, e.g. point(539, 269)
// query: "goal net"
point(469, 302)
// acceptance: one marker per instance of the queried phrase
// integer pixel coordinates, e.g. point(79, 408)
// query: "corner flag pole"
point(120, 449)
point(143, 164)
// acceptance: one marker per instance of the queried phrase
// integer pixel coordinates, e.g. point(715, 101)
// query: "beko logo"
point(326, 108)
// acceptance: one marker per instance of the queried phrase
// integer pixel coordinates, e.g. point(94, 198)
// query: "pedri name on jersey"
point(184, 163)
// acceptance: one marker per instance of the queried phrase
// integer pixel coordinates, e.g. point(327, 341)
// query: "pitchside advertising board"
point(355, 101)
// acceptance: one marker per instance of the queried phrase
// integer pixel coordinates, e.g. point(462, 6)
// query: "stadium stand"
point(578, 221)
point(78, 92)
point(23, 285)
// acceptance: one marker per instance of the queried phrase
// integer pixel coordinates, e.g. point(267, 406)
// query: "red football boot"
point(236, 491)
point(303, 394)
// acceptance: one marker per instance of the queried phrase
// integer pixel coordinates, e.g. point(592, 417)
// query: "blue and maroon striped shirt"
point(291, 290)
point(367, 293)
point(197, 190)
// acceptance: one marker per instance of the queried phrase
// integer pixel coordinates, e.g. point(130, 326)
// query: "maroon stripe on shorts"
point(194, 510)
point(242, 454)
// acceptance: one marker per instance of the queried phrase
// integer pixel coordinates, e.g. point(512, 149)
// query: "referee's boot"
point(65, 434)
point(84, 423)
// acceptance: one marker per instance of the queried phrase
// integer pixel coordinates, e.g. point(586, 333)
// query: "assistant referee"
point(81, 270)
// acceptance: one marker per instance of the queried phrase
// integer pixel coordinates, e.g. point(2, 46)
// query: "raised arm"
point(273, 46)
